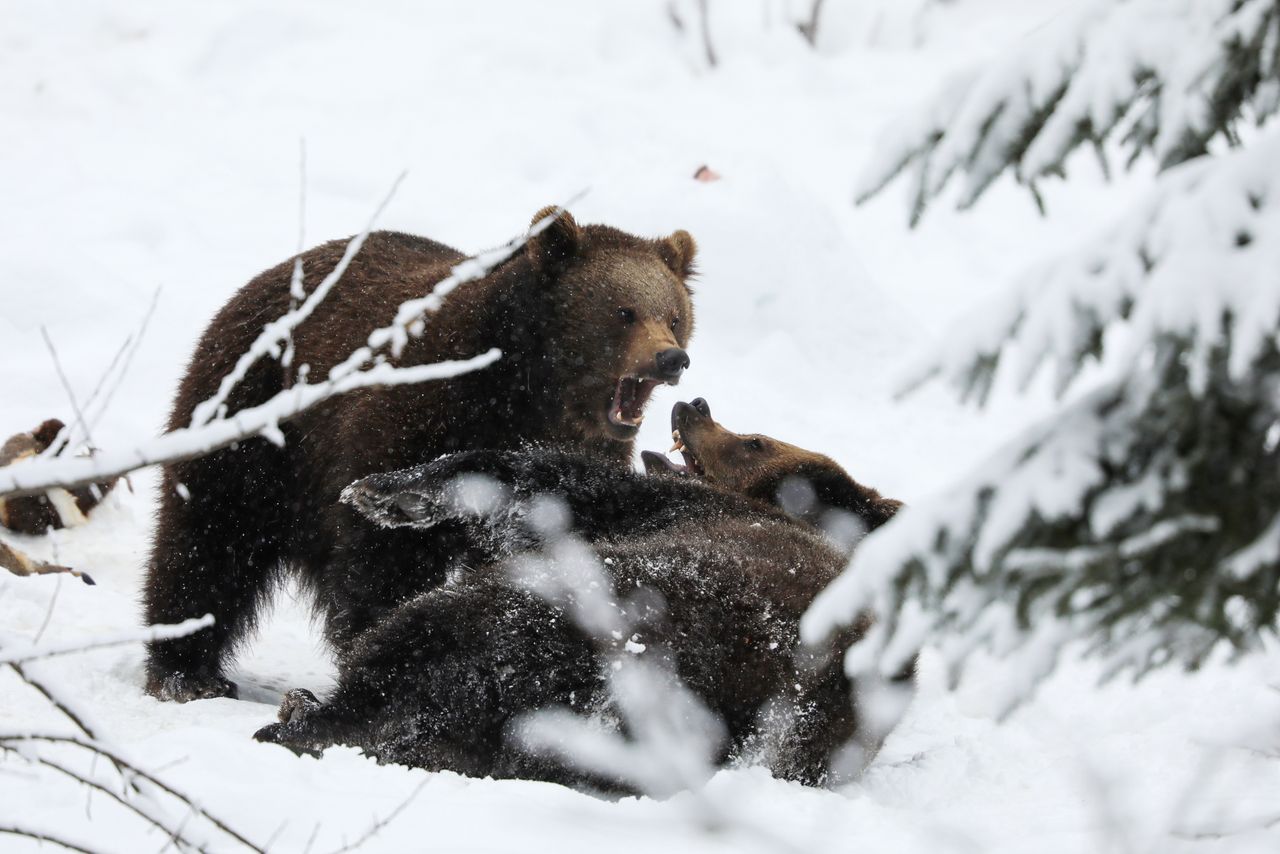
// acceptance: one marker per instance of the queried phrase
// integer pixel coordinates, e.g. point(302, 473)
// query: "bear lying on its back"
point(440, 684)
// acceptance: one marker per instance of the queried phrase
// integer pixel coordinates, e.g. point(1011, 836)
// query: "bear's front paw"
point(428, 495)
point(183, 687)
point(285, 735)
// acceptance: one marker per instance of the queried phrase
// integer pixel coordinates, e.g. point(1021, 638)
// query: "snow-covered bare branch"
point(18, 653)
point(28, 478)
point(212, 428)
point(278, 333)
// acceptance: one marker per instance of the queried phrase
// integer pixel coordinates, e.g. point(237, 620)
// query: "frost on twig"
point(1144, 516)
point(1168, 76)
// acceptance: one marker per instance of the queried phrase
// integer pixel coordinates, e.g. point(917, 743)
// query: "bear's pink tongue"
point(629, 398)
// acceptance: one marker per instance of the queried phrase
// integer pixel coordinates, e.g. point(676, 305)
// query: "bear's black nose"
point(701, 405)
point(672, 362)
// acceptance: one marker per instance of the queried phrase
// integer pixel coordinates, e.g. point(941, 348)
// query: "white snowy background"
point(157, 145)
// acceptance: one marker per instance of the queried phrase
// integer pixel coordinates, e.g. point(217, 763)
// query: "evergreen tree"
point(1144, 516)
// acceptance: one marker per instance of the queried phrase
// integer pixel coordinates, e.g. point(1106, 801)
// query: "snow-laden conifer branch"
point(1143, 517)
point(1195, 260)
point(1169, 75)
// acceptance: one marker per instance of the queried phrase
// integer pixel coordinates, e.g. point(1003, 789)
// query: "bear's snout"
point(685, 415)
point(671, 363)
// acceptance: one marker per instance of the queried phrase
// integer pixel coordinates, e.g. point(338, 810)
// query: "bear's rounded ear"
point(677, 252)
point(557, 242)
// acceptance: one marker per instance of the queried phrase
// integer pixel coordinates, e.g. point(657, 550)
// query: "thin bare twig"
point(41, 836)
point(296, 290)
point(48, 614)
point(809, 28)
point(279, 329)
point(378, 825)
point(271, 840)
point(63, 439)
point(76, 721)
point(174, 833)
point(311, 840)
point(106, 374)
point(49, 695)
point(130, 346)
point(172, 840)
point(128, 359)
point(704, 18)
point(100, 749)
point(66, 384)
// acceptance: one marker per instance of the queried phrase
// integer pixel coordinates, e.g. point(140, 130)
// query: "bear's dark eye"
point(627, 316)
point(754, 444)
point(675, 321)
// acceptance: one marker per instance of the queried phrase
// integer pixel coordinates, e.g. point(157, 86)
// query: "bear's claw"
point(285, 735)
point(296, 705)
point(182, 688)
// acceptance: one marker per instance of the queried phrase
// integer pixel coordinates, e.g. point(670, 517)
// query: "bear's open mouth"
point(692, 465)
point(626, 409)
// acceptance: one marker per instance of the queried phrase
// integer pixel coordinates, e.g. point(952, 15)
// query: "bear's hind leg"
point(216, 551)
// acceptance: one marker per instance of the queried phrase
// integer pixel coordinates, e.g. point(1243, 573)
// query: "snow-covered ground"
point(152, 145)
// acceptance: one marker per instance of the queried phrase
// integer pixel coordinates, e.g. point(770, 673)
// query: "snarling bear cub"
point(589, 320)
point(715, 574)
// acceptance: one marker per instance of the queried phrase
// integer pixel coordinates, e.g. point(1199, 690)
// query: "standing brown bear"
point(589, 320)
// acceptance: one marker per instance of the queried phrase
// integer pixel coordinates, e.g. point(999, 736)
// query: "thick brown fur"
point(230, 524)
point(443, 680)
point(36, 514)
